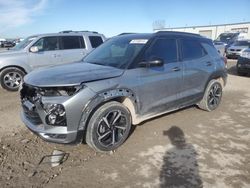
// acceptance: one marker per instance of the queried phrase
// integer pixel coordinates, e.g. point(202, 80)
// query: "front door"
point(159, 86)
point(48, 54)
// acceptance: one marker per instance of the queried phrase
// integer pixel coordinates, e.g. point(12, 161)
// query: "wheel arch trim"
point(123, 95)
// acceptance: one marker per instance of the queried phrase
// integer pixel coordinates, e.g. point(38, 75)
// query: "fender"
point(216, 75)
point(12, 63)
point(104, 96)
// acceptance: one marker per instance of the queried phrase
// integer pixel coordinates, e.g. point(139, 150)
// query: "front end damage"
point(54, 113)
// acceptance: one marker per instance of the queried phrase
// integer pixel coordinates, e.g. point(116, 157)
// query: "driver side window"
point(165, 49)
point(47, 44)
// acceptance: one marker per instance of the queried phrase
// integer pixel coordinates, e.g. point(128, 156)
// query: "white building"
point(213, 31)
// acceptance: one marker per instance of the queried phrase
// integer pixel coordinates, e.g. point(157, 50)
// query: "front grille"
point(29, 93)
point(32, 115)
point(238, 50)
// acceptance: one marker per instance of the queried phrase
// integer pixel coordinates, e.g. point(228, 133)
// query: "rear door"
point(197, 67)
point(48, 54)
point(73, 48)
point(159, 86)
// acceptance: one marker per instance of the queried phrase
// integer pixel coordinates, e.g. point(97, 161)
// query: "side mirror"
point(152, 63)
point(34, 49)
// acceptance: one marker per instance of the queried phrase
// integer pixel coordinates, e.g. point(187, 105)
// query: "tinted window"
point(72, 42)
point(47, 44)
point(192, 50)
point(166, 49)
point(95, 41)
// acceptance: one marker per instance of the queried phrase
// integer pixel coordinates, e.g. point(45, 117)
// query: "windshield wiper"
point(96, 63)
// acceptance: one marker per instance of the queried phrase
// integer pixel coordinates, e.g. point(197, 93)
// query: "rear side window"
point(166, 49)
point(192, 49)
point(72, 42)
point(95, 41)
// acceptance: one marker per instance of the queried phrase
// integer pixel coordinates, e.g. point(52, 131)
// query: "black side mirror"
point(152, 63)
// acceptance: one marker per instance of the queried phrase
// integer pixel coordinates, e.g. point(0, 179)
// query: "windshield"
point(117, 52)
point(24, 43)
point(242, 43)
point(227, 37)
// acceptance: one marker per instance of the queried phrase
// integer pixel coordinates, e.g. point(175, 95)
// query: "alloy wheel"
point(12, 79)
point(214, 96)
point(111, 128)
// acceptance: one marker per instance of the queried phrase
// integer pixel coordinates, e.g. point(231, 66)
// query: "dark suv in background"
point(127, 80)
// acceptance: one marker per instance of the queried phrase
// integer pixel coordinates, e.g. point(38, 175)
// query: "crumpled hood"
point(70, 74)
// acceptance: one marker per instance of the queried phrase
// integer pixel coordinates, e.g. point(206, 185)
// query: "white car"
point(236, 49)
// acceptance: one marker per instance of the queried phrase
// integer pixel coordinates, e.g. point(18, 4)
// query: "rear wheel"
point(108, 127)
point(11, 78)
point(212, 96)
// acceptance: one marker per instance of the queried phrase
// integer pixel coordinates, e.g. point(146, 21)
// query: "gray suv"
point(44, 50)
point(125, 81)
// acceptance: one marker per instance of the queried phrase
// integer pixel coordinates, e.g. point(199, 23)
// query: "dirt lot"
point(215, 152)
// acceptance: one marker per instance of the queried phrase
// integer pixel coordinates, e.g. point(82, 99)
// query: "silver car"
point(44, 50)
point(236, 49)
point(125, 81)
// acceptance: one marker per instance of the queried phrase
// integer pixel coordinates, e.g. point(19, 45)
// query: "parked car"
point(44, 50)
point(225, 40)
point(8, 44)
point(243, 64)
point(236, 49)
point(125, 81)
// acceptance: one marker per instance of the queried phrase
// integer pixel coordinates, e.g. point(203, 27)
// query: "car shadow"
point(180, 167)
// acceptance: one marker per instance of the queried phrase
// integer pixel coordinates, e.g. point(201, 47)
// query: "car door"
point(159, 86)
point(48, 53)
point(197, 67)
point(73, 48)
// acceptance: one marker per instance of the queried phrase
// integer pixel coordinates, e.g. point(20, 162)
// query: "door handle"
point(209, 63)
point(56, 55)
point(176, 69)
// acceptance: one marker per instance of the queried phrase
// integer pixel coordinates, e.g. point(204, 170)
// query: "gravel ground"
point(214, 151)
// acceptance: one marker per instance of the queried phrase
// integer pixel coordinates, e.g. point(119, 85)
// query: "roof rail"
point(70, 31)
point(177, 32)
point(125, 33)
point(67, 31)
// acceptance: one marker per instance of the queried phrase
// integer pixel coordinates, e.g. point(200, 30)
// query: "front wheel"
point(11, 78)
point(212, 96)
point(108, 127)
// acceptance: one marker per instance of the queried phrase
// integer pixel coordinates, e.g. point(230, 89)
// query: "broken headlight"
point(60, 91)
point(55, 114)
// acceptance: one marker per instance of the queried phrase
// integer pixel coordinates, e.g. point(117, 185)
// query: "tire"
point(102, 135)
point(212, 96)
point(11, 78)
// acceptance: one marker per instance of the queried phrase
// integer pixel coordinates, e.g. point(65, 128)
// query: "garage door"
point(206, 33)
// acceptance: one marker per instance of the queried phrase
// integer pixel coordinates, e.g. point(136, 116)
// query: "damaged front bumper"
point(65, 129)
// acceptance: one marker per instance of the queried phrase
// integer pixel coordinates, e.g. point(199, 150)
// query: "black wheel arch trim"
point(218, 74)
point(102, 98)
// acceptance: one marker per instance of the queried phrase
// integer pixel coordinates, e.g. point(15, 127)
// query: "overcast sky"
point(21, 18)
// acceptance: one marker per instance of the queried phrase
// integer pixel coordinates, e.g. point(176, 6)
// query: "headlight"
point(245, 54)
point(60, 91)
point(55, 114)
